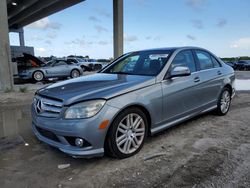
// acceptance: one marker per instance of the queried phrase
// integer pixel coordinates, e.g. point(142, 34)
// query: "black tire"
point(38, 76)
point(74, 73)
point(111, 147)
point(219, 111)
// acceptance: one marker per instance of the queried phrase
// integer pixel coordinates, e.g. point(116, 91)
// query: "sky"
point(221, 26)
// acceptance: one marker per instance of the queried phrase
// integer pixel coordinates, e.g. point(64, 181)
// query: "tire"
point(224, 102)
point(38, 76)
point(124, 140)
point(75, 73)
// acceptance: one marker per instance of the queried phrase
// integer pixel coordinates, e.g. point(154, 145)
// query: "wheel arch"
point(228, 86)
point(139, 106)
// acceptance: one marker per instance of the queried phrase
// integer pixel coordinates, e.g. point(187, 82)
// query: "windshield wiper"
point(121, 72)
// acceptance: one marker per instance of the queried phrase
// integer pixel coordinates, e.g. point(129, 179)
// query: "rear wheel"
point(224, 102)
point(38, 76)
point(127, 133)
point(74, 73)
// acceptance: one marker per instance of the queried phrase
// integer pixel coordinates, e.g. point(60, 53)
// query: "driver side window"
point(184, 58)
point(127, 65)
point(60, 63)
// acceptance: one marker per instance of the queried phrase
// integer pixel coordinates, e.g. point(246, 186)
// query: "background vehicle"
point(231, 64)
point(139, 94)
point(89, 64)
point(58, 68)
point(242, 65)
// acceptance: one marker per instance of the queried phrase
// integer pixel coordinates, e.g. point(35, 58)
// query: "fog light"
point(79, 142)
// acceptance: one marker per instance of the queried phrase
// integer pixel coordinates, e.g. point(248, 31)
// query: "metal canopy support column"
point(6, 80)
point(21, 37)
point(118, 27)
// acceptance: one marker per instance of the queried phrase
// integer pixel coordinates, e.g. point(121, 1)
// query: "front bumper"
point(59, 130)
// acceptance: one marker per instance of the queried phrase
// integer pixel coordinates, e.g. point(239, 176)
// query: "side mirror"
point(179, 71)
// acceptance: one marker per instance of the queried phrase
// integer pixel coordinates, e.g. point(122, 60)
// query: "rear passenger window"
point(184, 58)
point(215, 62)
point(205, 60)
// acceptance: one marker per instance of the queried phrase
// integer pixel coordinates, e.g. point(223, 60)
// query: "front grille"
point(47, 107)
point(47, 134)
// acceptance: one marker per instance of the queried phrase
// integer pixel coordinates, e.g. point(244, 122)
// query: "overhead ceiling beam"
point(58, 6)
point(40, 10)
point(36, 7)
point(21, 6)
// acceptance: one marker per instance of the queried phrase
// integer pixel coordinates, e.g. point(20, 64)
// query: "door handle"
point(197, 79)
point(219, 73)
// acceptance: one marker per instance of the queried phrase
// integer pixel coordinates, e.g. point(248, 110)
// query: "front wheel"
point(74, 73)
point(224, 102)
point(38, 76)
point(127, 133)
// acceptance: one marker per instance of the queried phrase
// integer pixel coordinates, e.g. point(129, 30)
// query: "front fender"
point(150, 98)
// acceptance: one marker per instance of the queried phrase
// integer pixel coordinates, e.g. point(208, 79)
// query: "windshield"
point(147, 63)
point(80, 60)
point(49, 63)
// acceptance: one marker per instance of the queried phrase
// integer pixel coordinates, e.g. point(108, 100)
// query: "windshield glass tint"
point(148, 63)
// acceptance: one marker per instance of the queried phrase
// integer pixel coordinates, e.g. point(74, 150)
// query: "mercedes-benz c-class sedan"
point(139, 94)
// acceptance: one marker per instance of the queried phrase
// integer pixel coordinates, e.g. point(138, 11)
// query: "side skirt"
point(175, 122)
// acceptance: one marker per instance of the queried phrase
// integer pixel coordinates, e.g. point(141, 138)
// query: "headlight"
point(84, 109)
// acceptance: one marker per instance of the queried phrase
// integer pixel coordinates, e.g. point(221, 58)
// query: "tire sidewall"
point(34, 78)
point(219, 102)
point(112, 132)
point(71, 73)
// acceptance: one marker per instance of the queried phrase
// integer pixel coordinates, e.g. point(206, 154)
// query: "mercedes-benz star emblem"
point(39, 106)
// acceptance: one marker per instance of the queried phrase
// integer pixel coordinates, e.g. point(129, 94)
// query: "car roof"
point(174, 48)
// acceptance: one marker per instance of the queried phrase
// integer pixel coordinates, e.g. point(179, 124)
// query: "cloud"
point(51, 35)
point(191, 37)
point(48, 42)
point(76, 42)
point(36, 38)
point(103, 42)
point(141, 2)
point(100, 29)
point(94, 19)
point(196, 4)
point(158, 37)
point(221, 23)
point(103, 12)
point(197, 24)
point(242, 43)
point(130, 38)
point(44, 24)
point(40, 50)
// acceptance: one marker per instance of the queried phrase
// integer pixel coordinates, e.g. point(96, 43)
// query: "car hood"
point(95, 86)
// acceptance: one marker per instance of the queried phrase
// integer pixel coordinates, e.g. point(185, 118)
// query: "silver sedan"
point(53, 69)
point(139, 94)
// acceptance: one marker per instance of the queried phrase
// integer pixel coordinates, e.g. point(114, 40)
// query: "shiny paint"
point(53, 70)
point(165, 101)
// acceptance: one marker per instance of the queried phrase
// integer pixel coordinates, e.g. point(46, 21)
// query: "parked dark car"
point(242, 65)
point(231, 64)
point(139, 94)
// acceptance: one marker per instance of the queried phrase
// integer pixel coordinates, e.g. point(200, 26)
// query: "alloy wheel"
point(225, 101)
point(75, 74)
point(130, 133)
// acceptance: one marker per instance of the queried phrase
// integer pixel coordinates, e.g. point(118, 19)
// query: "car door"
point(210, 76)
point(180, 93)
point(58, 69)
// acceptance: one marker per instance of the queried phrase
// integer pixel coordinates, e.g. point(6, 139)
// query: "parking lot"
point(208, 151)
